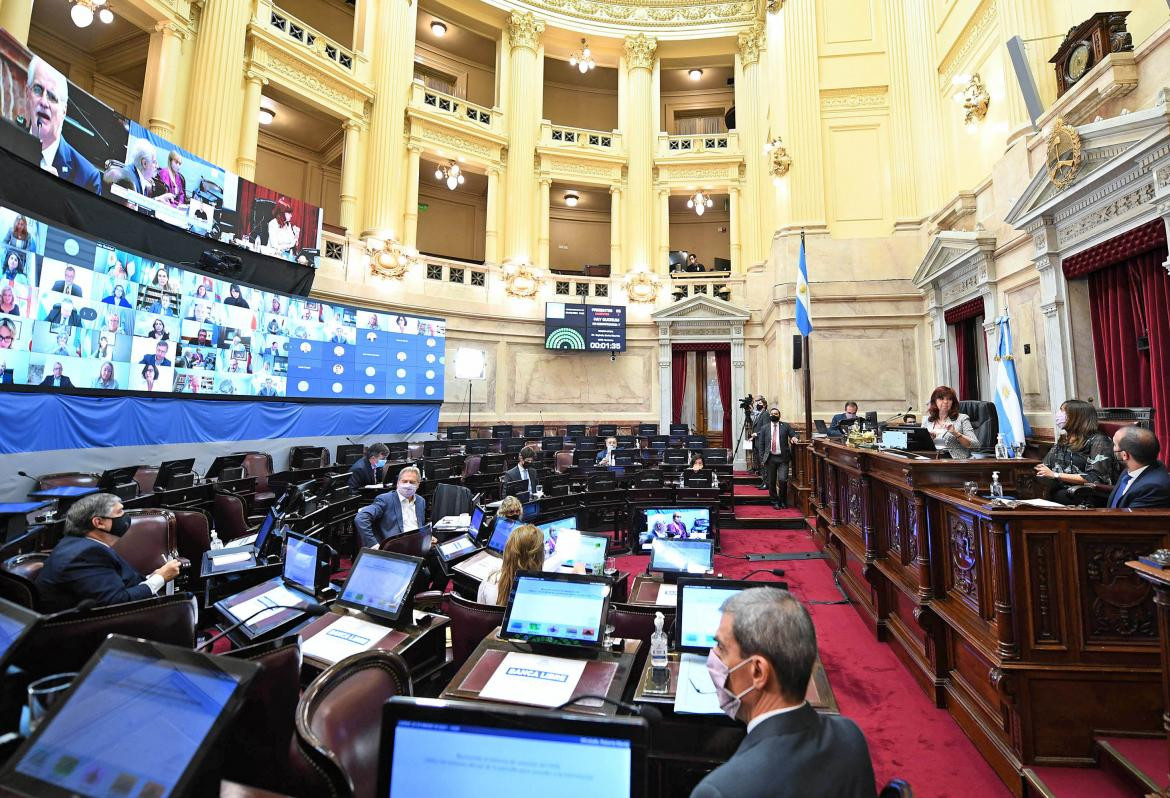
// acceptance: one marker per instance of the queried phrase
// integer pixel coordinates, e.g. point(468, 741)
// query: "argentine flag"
point(803, 316)
point(1008, 406)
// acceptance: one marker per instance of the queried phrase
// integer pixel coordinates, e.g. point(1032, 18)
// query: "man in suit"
point(57, 379)
point(394, 513)
point(144, 171)
point(759, 417)
point(63, 313)
point(776, 439)
point(365, 471)
point(85, 566)
point(524, 470)
point(605, 456)
point(159, 358)
point(67, 286)
point(764, 653)
point(846, 418)
point(46, 95)
point(1145, 482)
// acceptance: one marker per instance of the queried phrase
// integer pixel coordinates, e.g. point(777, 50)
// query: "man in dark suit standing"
point(763, 657)
point(776, 439)
point(1145, 482)
point(85, 566)
point(524, 470)
point(365, 471)
point(46, 95)
point(759, 418)
point(394, 513)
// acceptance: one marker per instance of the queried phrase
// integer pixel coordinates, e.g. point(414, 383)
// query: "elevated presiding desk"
point(1024, 622)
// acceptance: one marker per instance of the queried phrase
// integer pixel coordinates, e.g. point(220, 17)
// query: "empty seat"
point(259, 465)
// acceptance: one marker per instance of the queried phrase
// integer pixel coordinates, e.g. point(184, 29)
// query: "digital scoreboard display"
point(590, 328)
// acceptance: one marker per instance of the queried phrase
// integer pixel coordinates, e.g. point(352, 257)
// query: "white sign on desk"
point(345, 636)
point(275, 600)
point(534, 679)
point(667, 596)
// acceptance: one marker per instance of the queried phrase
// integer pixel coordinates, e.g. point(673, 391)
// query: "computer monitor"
point(104, 737)
point(169, 473)
point(434, 747)
point(687, 523)
point(676, 259)
point(559, 609)
point(478, 516)
point(577, 548)
point(298, 456)
point(530, 511)
point(458, 433)
point(871, 418)
point(673, 557)
point(113, 477)
point(457, 548)
point(223, 463)
point(381, 584)
point(265, 540)
point(501, 531)
point(306, 563)
point(697, 609)
point(349, 453)
point(15, 623)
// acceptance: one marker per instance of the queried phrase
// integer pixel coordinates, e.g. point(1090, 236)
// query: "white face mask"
point(407, 490)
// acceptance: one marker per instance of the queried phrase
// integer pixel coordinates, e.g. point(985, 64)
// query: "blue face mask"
point(380, 463)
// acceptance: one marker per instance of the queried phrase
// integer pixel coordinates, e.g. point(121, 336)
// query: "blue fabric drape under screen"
point(31, 422)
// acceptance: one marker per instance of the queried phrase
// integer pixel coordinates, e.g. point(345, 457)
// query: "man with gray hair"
point(46, 96)
point(83, 565)
point(394, 513)
point(764, 654)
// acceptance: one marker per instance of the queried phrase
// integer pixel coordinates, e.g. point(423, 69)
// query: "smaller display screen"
point(684, 556)
point(501, 533)
point(558, 609)
point(701, 614)
point(300, 562)
point(589, 328)
point(680, 523)
point(380, 583)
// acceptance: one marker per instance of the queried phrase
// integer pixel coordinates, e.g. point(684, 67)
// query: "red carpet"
point(908, 736)
point(763, 511)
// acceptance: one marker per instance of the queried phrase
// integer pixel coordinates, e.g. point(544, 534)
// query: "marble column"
point(803, 100)
point(162, 75)
point(523, 114)
point(735, 229)
point(902, 112)
point(350, 174)
point(410, 216)
point(542, 243)
point(16, 17)
point(931, 174)
point(392, 67)
point(665, 376)
point(663, 257)
point(491, 245)
point(213, 103)
point(1054, 305)
point(1028, 21)
point(639, 134)
point(254, 84)
point(615, 229)
point(750, 123)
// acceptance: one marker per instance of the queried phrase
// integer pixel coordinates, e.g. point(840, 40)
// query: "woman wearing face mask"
point(1081, 455)
point(85, 566)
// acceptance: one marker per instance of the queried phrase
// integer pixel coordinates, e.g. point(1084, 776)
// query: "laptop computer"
point(15, 623)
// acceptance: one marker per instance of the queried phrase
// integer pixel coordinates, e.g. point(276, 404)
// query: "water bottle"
point(1001, 449)
point(216, 543)
point(996, 488)
point(658, 643)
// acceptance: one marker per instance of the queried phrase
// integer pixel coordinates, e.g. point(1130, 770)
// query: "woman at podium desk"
point(952, 431)
point(1081, 455)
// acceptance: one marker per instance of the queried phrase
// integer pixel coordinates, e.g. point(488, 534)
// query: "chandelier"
point(82, 12)
point(582, 59)
point(700, 202)
point(451, 174)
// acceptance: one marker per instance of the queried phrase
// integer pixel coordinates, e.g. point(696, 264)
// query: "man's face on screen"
point(46, 111)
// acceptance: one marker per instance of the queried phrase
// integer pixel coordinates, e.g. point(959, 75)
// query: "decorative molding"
point(307, 80)
point(971, 37)
point(1119, 208)
point(751, 43)
point(524, 30)
point(868, 98)
point(639, 50)
point(458, 143)
point(626, 14)
point(642, 287)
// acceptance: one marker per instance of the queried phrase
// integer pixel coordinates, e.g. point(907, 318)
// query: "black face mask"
point(775, 416)
point(119, 526)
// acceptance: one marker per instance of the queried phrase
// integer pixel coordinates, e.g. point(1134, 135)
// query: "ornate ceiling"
point(665, 19)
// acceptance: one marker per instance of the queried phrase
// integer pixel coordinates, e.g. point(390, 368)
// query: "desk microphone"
point(26, 476)
point(85, 605)
point(351, 440)
point(646, 711)
point(899, 414)
point(308, 608)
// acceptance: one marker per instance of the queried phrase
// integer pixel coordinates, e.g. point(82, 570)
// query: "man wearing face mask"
point(365, 470)
point(759, 419)
point(523, 470)
point(764, 654)
point(776, 439)
point(85, 566)
point(1144, 482)
point(605, 457)
point(394, 513)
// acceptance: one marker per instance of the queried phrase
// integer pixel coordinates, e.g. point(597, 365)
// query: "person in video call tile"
point(67, 286)
point(57, 379)
point(159, 358)
point(6, 375)
point(19, 236)
point(158, 331)
point(8, 305)
point(63, 313)
point(144, 171)
point(7, 335)
point(105, 378)
point(63, 348)
point(149, 375)
point(46, 94)
point(102, 350)
point(14, 271)
point(677, 528)
point(267, 389)
point(235, 297)
point(117, 297)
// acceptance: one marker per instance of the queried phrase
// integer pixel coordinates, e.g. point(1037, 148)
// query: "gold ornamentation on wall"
point(640, 51)
point(1064, 154)
point(974, 98)
point(774, 6)
point(642, 287)
point(722, 14)
point(779, 161)
point(524, 30)
point(751, 44)
point(390, 259)
point(521, 280)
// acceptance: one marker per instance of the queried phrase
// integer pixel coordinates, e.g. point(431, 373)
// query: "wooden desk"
point(423, 647)
point(1159, 580)
point(595, 681)
point(645, 589)
point(286, 621)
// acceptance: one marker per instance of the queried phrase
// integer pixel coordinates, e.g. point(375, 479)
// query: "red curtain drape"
point(961, 357)
point(304, 214)
point(967, 335)
point(723, 370)
point(678, 384)
point(1126, 302)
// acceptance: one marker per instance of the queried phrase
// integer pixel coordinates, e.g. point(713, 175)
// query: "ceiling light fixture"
point(582, 59)
point(450, 174)
point(695, 74)
point(82, 12)
point(572, 199)
point(438, 28)
point(700, 201)
point(267, 111)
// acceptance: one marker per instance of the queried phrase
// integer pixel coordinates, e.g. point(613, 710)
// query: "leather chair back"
point(66, 641)
point(256, 752)
point(68, 479)
point(471, 622)
point(339, 722)
point(449, 500)
point(984, 419)
point(150, 540)
point(145, 477)
point(192, 534)
point(564, 461)
point(1110, 428)
point(18, 577)
point(259, 465)
point(471, 465)
point(228, 512)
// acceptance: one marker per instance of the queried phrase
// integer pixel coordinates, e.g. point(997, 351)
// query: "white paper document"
point(695, 693)
point(278, 596)
point(345, 636)
point(1043, 503)
point(228, 559)
point(479, 565)
point(667, 595)
point(534, 679)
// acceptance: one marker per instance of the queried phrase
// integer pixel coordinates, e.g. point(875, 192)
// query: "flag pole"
point(805, 354)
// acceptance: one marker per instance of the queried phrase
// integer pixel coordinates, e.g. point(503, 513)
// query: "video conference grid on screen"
point(594, 328)
point(78, 314)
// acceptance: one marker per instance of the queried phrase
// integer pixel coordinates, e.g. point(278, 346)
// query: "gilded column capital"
point(615, 190)
point(168, 28)
point(254, 75)
point(352, 125)
point(524, 30)
point(639, 51)
point(751, 43)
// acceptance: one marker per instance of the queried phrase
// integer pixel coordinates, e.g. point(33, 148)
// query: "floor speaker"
point(797, 352)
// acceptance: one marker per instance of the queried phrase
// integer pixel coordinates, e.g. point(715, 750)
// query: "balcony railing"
point(425, 98)
point(307, 36)
point(699, 143)
point(607, 141)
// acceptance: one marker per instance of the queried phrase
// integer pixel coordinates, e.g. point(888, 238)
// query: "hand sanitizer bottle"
point(996, 488)
point(1001, 449)
point(216, 543)
point(658, 643)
